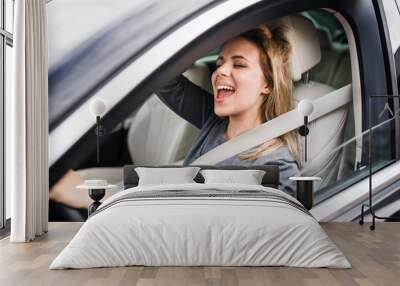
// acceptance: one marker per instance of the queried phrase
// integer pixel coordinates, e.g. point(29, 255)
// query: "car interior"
point(320, 64)
point(158, 136)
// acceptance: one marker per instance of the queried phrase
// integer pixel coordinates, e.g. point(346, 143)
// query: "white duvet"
point(206, 230)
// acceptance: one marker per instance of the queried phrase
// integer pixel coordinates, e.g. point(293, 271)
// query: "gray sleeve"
point(187, 100)
point(287, 169)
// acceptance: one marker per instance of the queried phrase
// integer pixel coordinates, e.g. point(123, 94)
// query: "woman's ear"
point(266, 90)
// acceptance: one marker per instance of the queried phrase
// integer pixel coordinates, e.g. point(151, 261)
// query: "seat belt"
point(276, 127)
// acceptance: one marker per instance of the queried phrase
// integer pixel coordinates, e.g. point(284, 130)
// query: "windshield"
point(90, 17)
point(89, 43)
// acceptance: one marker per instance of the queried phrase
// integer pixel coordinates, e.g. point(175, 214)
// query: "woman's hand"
point(65, 191)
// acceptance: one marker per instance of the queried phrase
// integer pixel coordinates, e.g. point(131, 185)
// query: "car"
point(122, 53)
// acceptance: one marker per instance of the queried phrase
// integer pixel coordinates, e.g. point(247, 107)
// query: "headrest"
point(302, 35)
point(200, 75)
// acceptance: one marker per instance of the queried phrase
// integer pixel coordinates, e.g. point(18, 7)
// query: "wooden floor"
point(374, 255)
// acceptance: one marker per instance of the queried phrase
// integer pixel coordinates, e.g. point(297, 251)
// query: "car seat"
point(325, 133)
point(156, 136)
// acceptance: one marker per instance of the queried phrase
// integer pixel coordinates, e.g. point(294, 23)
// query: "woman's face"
point(238, 82)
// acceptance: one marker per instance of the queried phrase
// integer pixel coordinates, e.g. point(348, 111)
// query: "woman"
point(252, 84)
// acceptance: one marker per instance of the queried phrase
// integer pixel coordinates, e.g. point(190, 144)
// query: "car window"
point(397, 64)
point(323, 20)
point(391, 10)
point(397, 54)
point(334, 68)
point(392, 13)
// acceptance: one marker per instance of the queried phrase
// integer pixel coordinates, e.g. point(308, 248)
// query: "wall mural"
point(250, 102)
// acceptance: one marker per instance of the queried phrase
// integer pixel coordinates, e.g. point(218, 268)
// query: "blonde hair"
point(275, 52)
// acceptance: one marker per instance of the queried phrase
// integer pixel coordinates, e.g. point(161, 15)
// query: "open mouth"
point(223, 92)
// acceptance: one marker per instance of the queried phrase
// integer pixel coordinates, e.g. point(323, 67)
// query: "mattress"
point(201, 225)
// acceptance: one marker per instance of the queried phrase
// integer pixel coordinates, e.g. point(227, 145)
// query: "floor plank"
point(374, 255)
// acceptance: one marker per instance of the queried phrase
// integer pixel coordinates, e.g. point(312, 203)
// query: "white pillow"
point(162, 176)
point(249, 177)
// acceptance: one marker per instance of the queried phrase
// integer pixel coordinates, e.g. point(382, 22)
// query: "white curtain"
point(27, 123)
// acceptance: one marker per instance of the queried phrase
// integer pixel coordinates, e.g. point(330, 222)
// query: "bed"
point(202, 222)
